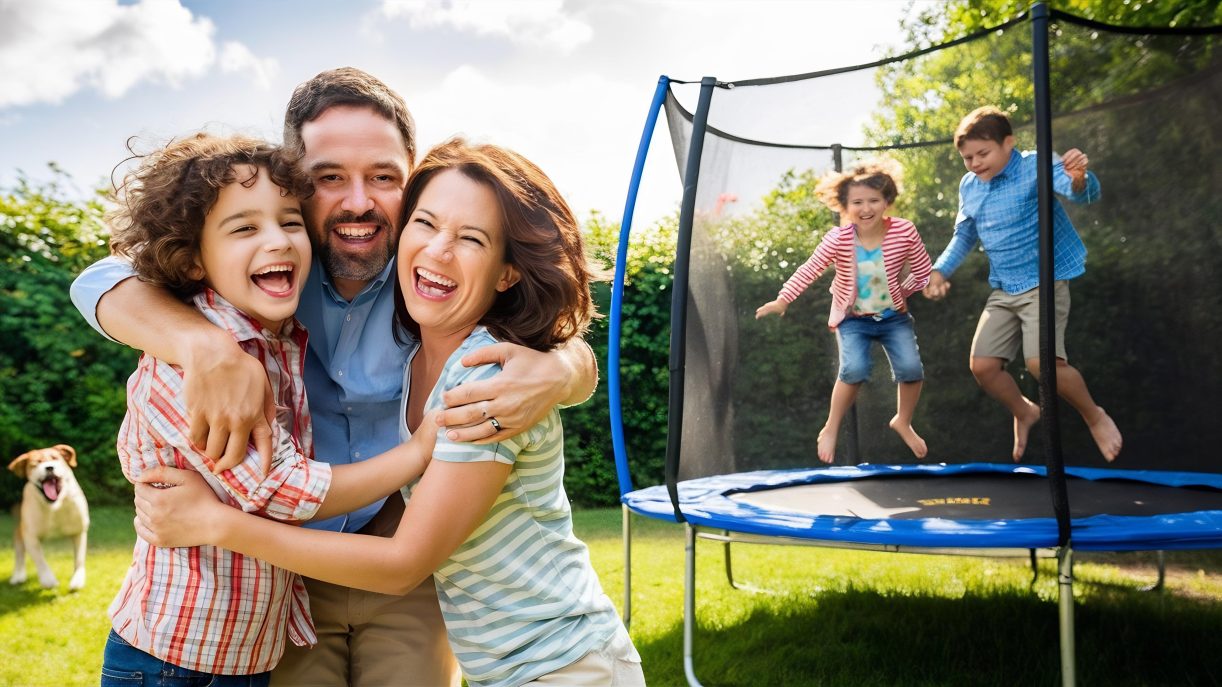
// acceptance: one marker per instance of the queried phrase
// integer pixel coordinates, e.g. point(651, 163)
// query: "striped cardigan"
point(904, 256)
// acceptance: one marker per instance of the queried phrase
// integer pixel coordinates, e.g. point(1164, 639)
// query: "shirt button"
point(357, 454)
point(349, 409)
point(348, 318)
point(340, 373)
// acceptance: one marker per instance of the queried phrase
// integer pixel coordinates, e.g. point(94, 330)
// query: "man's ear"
point(18, 464)
point(68, 453)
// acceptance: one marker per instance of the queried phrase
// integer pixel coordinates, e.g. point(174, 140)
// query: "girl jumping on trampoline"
point(880, 261)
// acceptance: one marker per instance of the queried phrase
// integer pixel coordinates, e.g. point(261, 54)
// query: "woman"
point(489, 252)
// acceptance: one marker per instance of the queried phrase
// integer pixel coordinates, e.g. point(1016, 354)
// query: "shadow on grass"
point(864, 637)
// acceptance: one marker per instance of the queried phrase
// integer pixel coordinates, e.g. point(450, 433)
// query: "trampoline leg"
point(729, 567)
point(1162, 574)
point(1065, 592)
point(1035, 568)
point(689, 606)
point(627, 567)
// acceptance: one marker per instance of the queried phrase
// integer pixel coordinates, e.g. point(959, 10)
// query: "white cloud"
point(236, 57)
point(50, 50)
point(524, 22)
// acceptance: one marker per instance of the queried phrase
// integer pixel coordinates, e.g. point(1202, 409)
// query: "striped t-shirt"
point(520, 597)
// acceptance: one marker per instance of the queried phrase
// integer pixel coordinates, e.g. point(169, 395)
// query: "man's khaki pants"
point(366, 639)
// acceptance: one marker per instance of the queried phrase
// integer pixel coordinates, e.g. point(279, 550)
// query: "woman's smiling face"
point(451, 258)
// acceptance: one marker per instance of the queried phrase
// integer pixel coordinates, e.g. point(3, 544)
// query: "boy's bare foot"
point(1106, 434)
point(910, 437)
point(827, 444)
point(1022, 427)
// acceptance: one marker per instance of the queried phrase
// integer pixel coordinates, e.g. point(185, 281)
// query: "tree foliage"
point(59, 381)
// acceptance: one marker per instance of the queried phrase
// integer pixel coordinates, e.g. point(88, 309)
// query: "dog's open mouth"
point(51, 488)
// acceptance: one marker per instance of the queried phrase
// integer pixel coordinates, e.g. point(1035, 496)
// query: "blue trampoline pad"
point(973, 505)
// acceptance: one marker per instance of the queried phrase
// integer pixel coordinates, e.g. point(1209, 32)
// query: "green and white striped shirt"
point(519, 596)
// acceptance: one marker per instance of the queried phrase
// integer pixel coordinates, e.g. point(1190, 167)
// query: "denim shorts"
point(123, 665)
point(898, 338)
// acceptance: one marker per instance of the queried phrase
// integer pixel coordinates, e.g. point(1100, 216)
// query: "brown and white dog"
point(52, 505)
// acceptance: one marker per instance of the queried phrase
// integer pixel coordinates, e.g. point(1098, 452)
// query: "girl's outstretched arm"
point(450, 501)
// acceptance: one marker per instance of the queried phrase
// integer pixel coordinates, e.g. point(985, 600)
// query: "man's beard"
point(364, 267)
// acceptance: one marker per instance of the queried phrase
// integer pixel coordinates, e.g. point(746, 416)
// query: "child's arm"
point(920, 268)
point(360, 484)
point(806, 274)
point(1071, 179)
point(961, 244)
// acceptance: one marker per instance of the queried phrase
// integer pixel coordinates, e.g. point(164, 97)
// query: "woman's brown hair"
point(551, 301)
point(162, 204)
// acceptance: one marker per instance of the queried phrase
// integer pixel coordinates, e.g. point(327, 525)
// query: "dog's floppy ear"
point(18, 464)
point(68, 452)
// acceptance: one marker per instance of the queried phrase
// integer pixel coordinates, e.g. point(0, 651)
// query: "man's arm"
point(227, 391)
point(530, 384)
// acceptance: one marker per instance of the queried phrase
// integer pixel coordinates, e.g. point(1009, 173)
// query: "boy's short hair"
point(162, 204)
point(881, 175)
point(551, 302)
point(346, 86)
point(986, 123)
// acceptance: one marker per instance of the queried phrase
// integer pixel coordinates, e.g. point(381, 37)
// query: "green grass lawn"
point(842, 617)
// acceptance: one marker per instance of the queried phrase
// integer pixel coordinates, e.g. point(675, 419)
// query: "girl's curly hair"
point(162, 204)
point(881, 175)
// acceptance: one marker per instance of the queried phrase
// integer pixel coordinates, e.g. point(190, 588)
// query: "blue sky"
point(565, 82)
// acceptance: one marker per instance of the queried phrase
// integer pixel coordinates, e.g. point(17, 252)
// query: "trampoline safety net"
point(1146, 317)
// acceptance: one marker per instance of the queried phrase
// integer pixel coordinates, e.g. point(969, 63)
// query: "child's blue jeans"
point(123, 665)
point(894, 332)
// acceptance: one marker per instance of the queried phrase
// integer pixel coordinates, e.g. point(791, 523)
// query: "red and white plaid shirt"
point(206, 608)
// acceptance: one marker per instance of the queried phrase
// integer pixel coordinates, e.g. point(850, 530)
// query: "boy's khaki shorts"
point(1010, 320)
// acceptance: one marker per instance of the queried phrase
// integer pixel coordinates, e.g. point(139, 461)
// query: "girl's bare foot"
point(1022, 427)
point(1106, 434)
point(910, 437)
point(827, 444)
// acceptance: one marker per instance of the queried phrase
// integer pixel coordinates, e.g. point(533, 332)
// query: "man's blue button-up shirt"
point(1002, 214)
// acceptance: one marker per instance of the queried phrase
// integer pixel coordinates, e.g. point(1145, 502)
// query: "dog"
point(52, 505)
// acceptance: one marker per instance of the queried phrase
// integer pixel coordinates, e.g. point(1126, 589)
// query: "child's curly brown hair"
point(881, 175)
point(162, 204)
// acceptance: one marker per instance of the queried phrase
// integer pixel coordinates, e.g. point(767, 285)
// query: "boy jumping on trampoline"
point(997, 206)
point(880, 261)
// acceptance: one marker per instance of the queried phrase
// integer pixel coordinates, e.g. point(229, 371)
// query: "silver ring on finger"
point(496, 426)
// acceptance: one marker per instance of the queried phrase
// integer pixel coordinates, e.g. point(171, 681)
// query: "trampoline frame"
point(1040, 17)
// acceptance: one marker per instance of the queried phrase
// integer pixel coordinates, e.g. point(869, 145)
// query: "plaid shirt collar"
point(243, 327)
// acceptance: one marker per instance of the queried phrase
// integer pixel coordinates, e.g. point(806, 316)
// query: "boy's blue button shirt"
point(353, 374)
point(1003, 215)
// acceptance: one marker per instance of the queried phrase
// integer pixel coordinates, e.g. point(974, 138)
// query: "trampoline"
point(742, 416)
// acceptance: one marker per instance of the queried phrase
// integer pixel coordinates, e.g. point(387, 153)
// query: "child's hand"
point(1075, 162)
point(777, 307)
point(938, 286)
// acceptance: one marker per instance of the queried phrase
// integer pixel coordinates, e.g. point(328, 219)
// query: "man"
point(356, 142)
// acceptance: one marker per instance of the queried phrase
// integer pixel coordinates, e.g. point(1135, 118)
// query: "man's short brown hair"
point(551, 302)
point(986, 123)
point(163, 203)
point(346, 86)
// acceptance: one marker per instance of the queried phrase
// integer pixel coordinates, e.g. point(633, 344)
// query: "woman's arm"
point(448, 504)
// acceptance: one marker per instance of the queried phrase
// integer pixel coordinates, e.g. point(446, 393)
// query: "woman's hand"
point(777, 307)
point(176, 508)
point(937, 288)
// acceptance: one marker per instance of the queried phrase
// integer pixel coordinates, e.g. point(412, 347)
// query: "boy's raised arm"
point(227, 392)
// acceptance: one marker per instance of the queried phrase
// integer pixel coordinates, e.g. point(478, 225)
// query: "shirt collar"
point(374, 284)
point(241, 326)
point(1011, 165)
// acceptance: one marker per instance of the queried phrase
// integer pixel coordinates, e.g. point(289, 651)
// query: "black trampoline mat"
point(980, 496)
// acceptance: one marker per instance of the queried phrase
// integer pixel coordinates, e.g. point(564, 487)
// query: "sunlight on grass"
point(841, 617)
